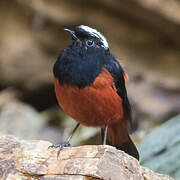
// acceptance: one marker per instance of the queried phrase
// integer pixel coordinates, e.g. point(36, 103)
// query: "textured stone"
point(22, 159)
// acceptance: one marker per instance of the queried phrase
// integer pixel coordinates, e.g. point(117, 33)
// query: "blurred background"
point(143, 35)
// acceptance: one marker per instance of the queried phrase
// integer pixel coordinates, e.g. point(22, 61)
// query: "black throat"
point(79, 66)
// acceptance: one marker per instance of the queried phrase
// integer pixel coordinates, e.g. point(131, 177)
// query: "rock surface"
point(22, 159)
point(160, 150)
point(32, 36)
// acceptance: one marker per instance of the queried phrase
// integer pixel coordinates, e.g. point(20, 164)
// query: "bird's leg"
point(66, 143)
point(105, 134)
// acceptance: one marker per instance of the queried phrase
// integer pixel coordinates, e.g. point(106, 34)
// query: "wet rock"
point(22, 159)
point(160, 150)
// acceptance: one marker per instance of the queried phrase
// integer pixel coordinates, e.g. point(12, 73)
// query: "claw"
point(65, 144)
point(60, 147)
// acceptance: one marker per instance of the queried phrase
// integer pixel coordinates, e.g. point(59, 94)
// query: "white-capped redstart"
point(90, 87)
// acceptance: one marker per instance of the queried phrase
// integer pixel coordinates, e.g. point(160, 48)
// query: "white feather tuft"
point(95, 33)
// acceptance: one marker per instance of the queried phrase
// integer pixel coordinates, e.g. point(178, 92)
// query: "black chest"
point(79, 67)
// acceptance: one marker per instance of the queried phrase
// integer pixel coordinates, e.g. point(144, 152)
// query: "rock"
point(7, 96)
point(22, 120)
point(32, 36)
point(160, 150)
point(21, 159)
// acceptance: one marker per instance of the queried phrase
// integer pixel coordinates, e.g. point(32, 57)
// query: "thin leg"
point(105, 134)
point(66, 143)
point(74, 130)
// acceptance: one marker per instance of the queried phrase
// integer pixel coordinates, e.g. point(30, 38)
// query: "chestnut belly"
point(92, 105)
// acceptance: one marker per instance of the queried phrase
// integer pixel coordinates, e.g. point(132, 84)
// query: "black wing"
point(117, 73)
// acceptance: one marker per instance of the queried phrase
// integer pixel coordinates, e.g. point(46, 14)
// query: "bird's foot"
point(60, 146)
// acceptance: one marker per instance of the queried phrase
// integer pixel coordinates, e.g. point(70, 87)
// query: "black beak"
point(72, 33)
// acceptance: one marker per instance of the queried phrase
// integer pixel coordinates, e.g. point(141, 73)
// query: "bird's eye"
point(89, 43)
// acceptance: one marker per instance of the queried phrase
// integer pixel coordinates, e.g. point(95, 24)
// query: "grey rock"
point(20, 119)
point(160, 150)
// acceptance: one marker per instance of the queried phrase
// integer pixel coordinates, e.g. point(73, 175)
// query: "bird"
point(89, 84)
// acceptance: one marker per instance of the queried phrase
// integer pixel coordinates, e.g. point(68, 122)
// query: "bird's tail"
point(118, 136)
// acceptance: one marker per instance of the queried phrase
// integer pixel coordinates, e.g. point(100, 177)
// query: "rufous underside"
point(94, 105)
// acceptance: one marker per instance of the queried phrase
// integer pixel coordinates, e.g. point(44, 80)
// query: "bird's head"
point(87, 37)
point(83, 60)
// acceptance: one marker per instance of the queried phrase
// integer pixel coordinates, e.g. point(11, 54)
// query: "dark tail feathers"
point(118, 136)
point(129, 147)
